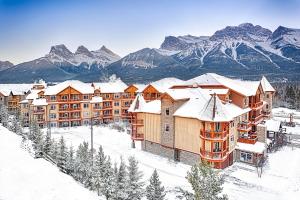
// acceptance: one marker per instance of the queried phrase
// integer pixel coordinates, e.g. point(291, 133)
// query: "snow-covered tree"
point(120, 191)
point(83, 165)
point(47, 145)
point(37, 139)
point(62, 154)
point(135, 185)
point(3, 115)
point(154, 191)
point(206, 183)
point(98, 170)
point(70, 164)
point(108, 180)
point(54, 150)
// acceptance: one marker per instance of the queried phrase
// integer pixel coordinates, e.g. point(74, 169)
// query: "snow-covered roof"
point(24, 101)
point(235, 110)
point(258, 147)
point(114, 86)
point(217, 91)
point(272, 125)
point(33, 94)
point(16, 89)
point(81, 87)
point(140, 105)
point(246, 88)
point(39, 102)
point(96, 99)
point(164, 84)
point(140, 87)
point(185, 93)
point(267, 87)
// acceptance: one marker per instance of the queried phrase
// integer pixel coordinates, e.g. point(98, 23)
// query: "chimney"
point(214, 107)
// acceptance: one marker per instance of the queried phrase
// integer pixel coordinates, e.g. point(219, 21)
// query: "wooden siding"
point(152, 127)
point(187, 134)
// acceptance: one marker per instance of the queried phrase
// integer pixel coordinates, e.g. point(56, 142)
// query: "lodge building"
point(209, 118)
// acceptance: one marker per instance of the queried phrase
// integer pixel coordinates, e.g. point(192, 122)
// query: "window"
point(167, 111)
point(246, 157)
point(232, 138)
point(53, 124)
point(26, 114)
point(267, 96)
point(52, 107)
point(116, 103)
point(116, 112)
point(52, 98)
point(64, 97)
point(216, 147)
point(86, 122)
point(86, 114)
point(218, 126)
point(267, 106)
point(52, 115)
point(107, 96)
point(167, 127)
point(85, 105)
point(117, 96)
point(85, 97)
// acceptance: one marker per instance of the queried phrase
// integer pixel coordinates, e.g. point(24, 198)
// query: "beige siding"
point(187, 134)
point(152, 127)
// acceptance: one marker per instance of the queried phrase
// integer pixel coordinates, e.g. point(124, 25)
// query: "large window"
point(85, 105)
point(116, 103)
point(52, 98)
point(116, 112)
point(246, 157)
point(52, 115)
point(52, 107)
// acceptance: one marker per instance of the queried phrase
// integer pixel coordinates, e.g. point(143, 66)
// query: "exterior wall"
point(167, 137)
point(187, 133)
point(261, 133)
point(238, 99)
point(152, 127)
point(267, 109)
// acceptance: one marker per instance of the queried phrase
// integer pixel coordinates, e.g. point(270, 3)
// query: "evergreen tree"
point(70, 164)
point(154, 191)
point(120, 190)
point(37, 141)
point(3, 115)
point(135, 185)
point(108, 181)
point(205, 182)
point(98, 170)
point(62, 154)
point(47, 145)
point(54, 150)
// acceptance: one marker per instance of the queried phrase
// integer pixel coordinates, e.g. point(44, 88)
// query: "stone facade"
point(167, 119)
point(261, 130)
point(189, 157)
point(268, 97)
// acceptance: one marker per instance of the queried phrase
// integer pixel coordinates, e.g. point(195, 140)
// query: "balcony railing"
point(255, 105)
point(217, 154)
point(255, 119)
point(244, 126)
point(38, 111)
point(266, 113)
point(251, 139)
point(137, 136)
point(214, 135)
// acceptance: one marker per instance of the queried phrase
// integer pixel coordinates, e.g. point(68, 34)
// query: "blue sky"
point(30, 27)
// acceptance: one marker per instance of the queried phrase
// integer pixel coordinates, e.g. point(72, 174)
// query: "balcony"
point(97, 107)
point(266, 113)
point(39, 111)
point(217, 154)
point(40, 120)
point(256, 105)
point(74, 109)
point(214, 135)
point(244, 126)
point(137, 136)
point(256, 119)
point(251, 139)
point(63, 118)
point(107, 107)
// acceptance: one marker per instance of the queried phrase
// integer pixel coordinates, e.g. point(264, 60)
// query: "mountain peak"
point(5, 65)
point(84, 51)
point(61, 50)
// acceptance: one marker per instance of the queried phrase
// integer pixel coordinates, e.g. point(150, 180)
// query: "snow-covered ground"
point(24, 178)
point(283, 114)
point(280, 179)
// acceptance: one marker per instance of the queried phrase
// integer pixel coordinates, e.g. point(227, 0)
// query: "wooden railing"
point(137, 136)
point(256, 118)
point(137, 122)
point(255, 104)
point(244, 126)
point(38, 111)
point(214, 134)
point(215, 155)
point(251, 139)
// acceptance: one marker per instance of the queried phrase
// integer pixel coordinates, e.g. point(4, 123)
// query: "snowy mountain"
point(61, 64)
point(5, 65)
point(245, 50)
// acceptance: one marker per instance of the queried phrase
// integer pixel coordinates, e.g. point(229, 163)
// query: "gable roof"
point(140, 105)
point(164, 84)
point(114, 86)
point(267, 87)
point(81, 87)
point(16, 89)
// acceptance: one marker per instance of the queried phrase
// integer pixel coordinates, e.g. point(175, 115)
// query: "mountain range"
point(246, 51)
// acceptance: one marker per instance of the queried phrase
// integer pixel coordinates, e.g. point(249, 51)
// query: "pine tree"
point(54, 150)
point(62, 154)
point(98, 170)
point(4, 115)
point(120, 190)
point(135, 185)
point(37, 141)
point(47, 145)
point(154, 191)
point(205, 182)
point(108, 180)
point(70, 164)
